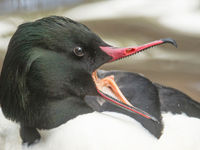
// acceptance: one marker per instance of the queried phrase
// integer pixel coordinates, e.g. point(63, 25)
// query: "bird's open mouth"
point(109, 81)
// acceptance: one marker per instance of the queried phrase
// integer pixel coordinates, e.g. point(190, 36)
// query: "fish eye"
point(78, 51)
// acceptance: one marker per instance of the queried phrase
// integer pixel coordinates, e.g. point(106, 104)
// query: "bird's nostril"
point(130, 50)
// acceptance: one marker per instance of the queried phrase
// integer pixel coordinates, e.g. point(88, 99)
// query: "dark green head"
point(64, 36)
point(49, 59)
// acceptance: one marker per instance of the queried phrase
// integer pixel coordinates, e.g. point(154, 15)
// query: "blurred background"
point(127, 23)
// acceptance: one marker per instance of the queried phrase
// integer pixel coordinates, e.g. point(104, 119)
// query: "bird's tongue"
point(119, 100)
point(109, 82)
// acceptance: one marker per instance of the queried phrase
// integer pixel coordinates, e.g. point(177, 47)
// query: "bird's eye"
point(78, 51)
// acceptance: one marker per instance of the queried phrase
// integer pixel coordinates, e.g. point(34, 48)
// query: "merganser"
point(49, 77)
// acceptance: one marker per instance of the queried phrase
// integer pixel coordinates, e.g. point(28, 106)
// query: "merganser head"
point(54, 59)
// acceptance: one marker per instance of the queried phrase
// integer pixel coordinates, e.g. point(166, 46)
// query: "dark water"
point(10, 6)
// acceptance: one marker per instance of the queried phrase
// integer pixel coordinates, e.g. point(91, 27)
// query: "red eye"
point(78, 51)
